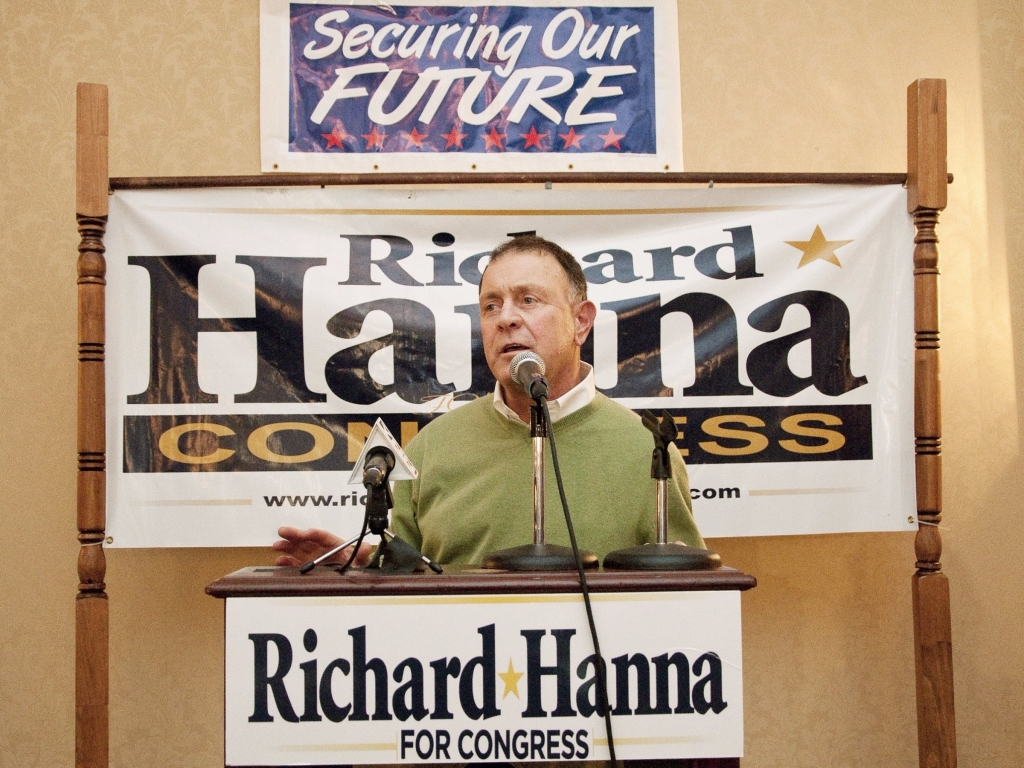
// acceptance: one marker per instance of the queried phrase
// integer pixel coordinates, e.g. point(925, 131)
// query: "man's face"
point(524, 305)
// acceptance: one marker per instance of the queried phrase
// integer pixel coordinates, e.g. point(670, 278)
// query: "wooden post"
point(933, 654)
point(91, 614)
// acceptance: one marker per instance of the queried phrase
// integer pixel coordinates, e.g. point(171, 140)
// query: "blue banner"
point(472, 80)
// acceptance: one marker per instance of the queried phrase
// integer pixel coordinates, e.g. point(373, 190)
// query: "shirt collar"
point(576, 398)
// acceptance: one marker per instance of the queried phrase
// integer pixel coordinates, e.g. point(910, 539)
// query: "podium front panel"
point(455, 678)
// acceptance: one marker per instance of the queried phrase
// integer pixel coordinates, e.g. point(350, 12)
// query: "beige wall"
point(800, 85)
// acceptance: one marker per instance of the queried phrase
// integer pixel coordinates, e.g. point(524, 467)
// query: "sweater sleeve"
point(406, 492)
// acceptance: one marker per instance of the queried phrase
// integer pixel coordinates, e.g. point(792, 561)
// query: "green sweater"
point(474, 494)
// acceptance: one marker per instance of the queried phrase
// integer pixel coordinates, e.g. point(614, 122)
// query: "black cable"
point(602, 677)
point(359, 541)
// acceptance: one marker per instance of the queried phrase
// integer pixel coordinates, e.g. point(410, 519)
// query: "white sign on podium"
point(480, 678)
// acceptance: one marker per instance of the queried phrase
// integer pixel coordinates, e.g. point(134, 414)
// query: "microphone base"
point(538, 557)
point(663, 557)
point(395, 556)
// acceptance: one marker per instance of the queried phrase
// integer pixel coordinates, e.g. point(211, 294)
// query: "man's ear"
point(585, 313)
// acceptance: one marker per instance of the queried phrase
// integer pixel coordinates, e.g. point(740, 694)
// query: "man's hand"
point(302, 546)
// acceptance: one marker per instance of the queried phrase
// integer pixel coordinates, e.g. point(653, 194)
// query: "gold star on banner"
point(818, 248)
point(511, 680)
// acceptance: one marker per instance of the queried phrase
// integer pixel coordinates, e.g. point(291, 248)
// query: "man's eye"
point(529, 300)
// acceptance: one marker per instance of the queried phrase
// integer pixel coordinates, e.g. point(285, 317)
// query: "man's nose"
point(509, 317)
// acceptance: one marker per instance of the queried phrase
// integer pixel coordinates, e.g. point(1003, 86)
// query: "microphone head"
point(529, 357)
point(378, 465)
point(381, 455)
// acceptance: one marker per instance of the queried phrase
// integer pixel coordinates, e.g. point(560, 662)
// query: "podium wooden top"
point(270, 581)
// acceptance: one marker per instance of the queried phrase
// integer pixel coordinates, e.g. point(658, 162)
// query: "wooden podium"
point(280, 713)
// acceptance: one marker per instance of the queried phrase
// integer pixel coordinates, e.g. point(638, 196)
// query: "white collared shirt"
point(578, 397)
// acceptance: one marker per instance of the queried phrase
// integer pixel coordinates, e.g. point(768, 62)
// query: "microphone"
point(378, 465)
point(527, 370)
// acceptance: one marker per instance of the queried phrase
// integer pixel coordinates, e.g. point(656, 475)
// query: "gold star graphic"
point(818, 248)
point(511, 680)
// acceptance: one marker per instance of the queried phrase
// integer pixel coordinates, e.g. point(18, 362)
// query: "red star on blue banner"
point(453, 138)
point(415, 139)
point(494, 139)
point(533, 138)
point(336, 136)
point(611, 139)
point(375, 138)
point(572, 139)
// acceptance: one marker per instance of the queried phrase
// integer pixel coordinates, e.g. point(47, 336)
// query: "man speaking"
point(473, 495)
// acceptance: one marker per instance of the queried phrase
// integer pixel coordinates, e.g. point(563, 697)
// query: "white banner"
point(430, 85)
point(255, 335)
point(336, 680)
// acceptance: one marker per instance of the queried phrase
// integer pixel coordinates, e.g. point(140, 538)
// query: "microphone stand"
point(663, 555)
point(393, 555)
point(538, 434)
point(539, 556)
